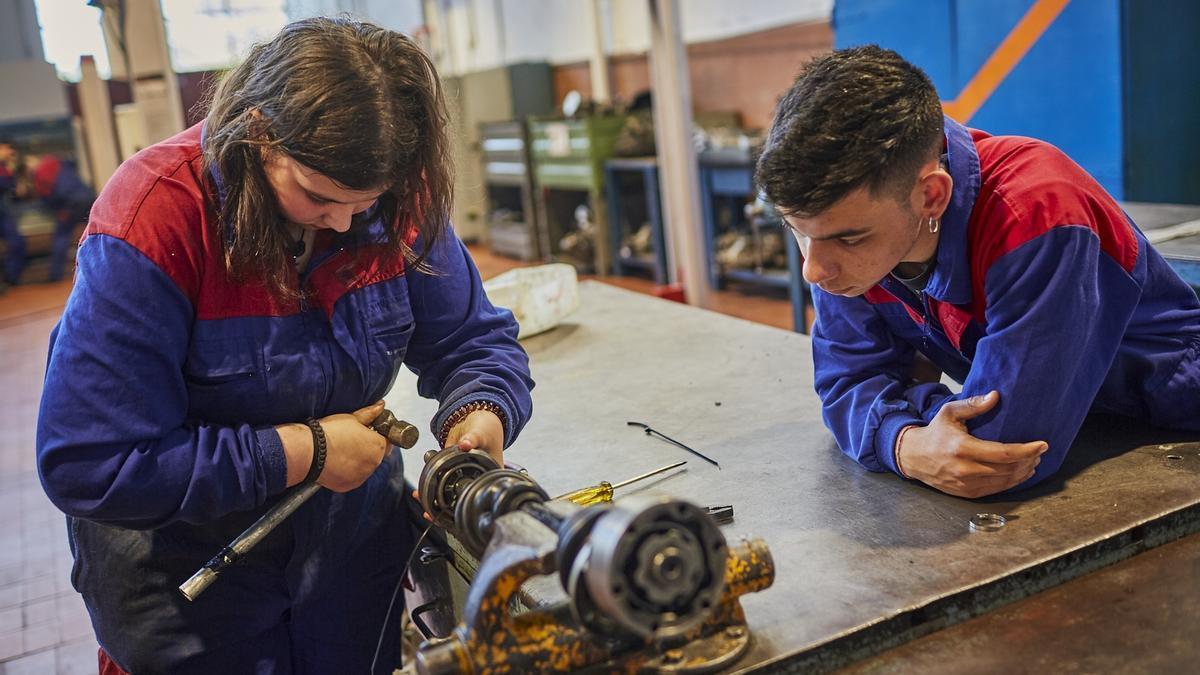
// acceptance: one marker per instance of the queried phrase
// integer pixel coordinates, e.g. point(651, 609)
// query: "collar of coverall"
point(951, 278)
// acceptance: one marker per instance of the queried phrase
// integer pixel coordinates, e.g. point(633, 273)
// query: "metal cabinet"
point(726, 188)
point(508, 180)
point(568, 169)
point(636, 237)
point(512, 92)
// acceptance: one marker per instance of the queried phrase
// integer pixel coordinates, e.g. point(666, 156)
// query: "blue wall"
point(1066, 89)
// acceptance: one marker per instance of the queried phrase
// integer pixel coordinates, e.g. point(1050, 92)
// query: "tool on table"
point(722, 514)
point(603, 492)
point(674, 442)
point(398, 432)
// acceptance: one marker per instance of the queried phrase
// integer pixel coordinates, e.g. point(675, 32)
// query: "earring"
point(934, 224)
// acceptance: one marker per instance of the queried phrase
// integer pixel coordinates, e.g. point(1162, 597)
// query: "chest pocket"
point(389, 327)
point(226, 381)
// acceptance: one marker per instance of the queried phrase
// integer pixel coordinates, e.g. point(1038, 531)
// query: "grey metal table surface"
point(864, 561)
point(1137, 616)
point(1183, 252)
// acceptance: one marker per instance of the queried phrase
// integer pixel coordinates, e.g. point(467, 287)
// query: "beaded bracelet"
point(319, 450)
point(462, 413)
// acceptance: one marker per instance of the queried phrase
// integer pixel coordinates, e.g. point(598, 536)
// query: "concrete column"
point(678, 169)
point(96, 109)
point(598, 65)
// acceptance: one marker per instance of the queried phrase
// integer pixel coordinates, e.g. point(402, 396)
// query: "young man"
point(997, 258)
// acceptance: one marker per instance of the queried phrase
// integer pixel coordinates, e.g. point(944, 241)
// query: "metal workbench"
point(1183, 252)
point(864, 561)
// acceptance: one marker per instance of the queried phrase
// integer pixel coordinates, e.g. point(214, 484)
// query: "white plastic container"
point(539, 297)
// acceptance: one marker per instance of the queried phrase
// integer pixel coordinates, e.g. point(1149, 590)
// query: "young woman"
point(245, 294)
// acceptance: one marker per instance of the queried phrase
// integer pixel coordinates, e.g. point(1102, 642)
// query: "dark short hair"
point(856, 117)
point(358, 103)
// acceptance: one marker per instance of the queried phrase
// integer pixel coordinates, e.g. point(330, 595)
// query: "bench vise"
point(642, 585)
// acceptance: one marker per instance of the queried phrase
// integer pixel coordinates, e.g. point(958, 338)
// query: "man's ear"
point(933, 190)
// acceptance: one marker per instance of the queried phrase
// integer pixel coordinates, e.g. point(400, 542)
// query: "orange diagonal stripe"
point(1004, 59)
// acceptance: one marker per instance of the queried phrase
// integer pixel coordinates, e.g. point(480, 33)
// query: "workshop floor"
point(44, 627)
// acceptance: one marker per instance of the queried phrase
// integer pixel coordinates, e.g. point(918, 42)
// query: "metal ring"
point(444, 478)
point(987, 522)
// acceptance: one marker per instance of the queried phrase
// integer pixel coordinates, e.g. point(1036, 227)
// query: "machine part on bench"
point(656, 566)
point(492, 639)
point(488, 497)
point(645, 584)
point(444, 478)
point(712, 652)
point(573, 534)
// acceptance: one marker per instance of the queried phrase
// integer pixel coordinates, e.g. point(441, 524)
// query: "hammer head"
point(398, 432)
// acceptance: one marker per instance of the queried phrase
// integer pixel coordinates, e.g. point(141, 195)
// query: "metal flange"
point(656, 566)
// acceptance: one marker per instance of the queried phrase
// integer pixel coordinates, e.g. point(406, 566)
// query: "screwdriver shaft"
point(649, 474)
point(603, 491)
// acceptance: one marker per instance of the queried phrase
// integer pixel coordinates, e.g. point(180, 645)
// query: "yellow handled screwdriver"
point(602, 493)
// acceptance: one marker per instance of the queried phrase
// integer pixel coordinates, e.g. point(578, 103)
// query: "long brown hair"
point(361, 105)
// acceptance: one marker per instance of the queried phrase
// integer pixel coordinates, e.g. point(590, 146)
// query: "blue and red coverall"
point(156, 434)
point(1042, 289)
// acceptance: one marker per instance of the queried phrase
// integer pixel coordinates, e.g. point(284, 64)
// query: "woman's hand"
point(353, 449)
point(481, 430)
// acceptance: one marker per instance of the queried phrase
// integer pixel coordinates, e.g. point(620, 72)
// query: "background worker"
point(14, 243)
point(58, 184)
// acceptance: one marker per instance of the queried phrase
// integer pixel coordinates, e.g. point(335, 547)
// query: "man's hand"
point(944, 455)
point(481, 430)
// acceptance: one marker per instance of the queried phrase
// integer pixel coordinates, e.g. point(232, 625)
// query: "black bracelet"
point(319, 448)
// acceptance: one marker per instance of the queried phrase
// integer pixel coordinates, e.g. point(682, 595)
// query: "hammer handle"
point(396, 431)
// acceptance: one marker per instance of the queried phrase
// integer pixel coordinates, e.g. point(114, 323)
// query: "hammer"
point(398, 433)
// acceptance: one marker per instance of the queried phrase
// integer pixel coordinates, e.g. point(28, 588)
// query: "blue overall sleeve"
point(1057, 311)
point(863, 376)
point(463, 349)
point(114, 444)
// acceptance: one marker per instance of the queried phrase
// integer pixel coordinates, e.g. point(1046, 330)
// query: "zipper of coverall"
point(919, 303)
point(314, 265)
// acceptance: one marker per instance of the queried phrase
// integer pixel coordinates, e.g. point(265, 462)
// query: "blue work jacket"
point(1042, 289)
